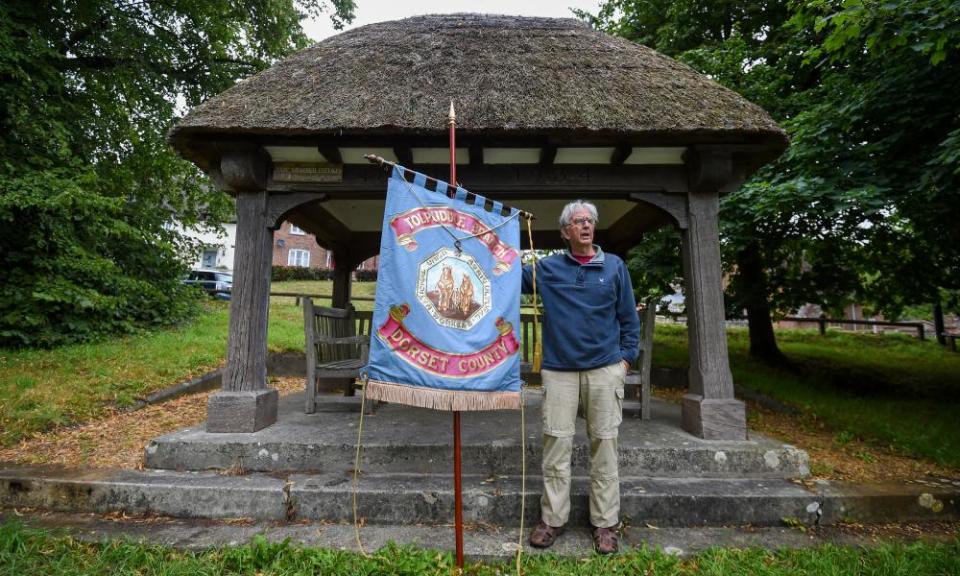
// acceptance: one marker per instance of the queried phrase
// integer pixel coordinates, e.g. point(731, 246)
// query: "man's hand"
point(626, 365)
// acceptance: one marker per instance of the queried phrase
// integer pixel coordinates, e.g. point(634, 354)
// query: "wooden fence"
point(822, 324)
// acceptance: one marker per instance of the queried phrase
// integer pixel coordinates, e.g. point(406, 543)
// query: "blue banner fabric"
point(447, 309)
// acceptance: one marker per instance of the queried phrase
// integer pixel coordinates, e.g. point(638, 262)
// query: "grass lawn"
point(891, 389)
point(28, 551)
point(44, 388)
point(40, 389)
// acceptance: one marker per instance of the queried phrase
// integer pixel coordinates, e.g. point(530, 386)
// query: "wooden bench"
point(336, 349)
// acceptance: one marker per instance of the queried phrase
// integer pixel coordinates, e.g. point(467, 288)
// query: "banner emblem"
point(454, 289)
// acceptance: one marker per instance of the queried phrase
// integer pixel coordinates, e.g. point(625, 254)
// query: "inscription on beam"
point(307, 172)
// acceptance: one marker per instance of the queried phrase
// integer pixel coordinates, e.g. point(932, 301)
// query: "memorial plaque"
point(307, 172)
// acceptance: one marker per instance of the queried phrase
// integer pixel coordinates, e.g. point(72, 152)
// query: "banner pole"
point(457, 488)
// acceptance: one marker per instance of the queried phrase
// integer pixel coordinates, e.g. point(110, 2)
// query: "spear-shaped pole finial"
point(452, 122)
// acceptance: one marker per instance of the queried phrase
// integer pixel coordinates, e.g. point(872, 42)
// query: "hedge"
point(282, 273)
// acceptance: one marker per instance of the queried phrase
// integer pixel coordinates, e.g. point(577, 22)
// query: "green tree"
point(892, 118)
point(857, 206)
point(655, 266)
point(88, 185)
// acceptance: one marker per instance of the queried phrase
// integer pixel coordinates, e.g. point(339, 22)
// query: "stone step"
point(159, 492)
point(428, 499)
point(414, 440)
point(390, 498)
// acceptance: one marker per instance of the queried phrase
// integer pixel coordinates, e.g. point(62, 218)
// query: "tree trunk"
point(753, 295)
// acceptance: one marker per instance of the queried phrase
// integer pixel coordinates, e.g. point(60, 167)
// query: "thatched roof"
point(506, 74)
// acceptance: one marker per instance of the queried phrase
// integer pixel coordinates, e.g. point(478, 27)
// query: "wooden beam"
point(404, 155)
point(673, 204)
point(511, 182)
point(547, 154)
point(629, 229)
point(542, 240)
point(243, 168)
point(748, 143)
point(620, 155)
point(364, 245)
point(341, 282)
point(476, 155)
point(331, 153)
point(279, 205)
point(711, 168)
point(330, 232)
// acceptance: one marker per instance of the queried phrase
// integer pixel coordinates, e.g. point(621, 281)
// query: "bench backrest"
point(324, 326)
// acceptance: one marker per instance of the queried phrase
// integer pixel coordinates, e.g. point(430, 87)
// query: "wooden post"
point(709, 409)
point(310, 395)
point(343, 265)
point(342, 279)
point(822, 322)
point(646, 357)
point(245, 403)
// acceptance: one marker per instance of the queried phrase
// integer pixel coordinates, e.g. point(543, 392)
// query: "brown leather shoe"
point(543, 536)
point(606, 540)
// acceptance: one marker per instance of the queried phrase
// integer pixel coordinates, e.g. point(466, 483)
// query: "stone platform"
point(301, 469)
point(403, 439)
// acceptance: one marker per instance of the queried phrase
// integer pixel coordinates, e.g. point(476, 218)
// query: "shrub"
point(76, 270)
point(366, 275)
point(284, 273)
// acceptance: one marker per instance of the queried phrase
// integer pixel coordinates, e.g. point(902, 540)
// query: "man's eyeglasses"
point(583, 222)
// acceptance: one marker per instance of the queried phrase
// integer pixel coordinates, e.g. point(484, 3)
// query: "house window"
point(294, 229)
point(329, 260)
point(209, 259)
point(299, 258)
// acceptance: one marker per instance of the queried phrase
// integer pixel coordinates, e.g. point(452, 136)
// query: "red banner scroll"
point(427, 358)
point(412, 221)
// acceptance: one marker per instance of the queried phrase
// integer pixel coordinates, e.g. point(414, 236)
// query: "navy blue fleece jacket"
point(589, 314)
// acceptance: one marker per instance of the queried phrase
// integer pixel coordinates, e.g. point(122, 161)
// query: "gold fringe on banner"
point(456, 400)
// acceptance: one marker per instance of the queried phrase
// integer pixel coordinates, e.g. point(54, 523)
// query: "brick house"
point(293, 246)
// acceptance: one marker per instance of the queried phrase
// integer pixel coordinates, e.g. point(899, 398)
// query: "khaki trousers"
point(599, 392)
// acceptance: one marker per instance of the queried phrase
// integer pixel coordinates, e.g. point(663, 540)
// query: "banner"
point(447, 309)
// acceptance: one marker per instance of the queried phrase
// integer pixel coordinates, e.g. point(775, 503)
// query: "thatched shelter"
point(507, 75)
point(547, 110)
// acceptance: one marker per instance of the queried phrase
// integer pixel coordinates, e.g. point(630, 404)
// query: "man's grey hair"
point(566, 215)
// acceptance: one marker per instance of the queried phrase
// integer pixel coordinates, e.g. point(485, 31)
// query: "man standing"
point(590, 336)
